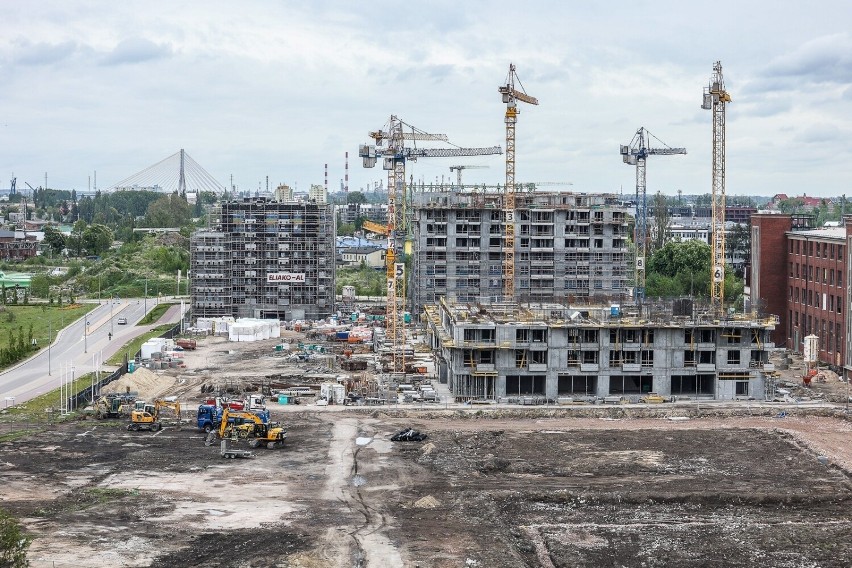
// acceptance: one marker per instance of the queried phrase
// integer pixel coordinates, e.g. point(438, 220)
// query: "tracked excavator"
point(245, 425)
point(148, 418)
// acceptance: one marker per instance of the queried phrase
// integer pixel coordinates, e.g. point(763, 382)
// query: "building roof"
point(361, 250)
point(836, 233)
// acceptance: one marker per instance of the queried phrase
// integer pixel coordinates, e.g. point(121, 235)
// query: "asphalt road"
point(78, 348)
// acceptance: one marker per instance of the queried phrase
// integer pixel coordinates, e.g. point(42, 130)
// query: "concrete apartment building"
point(264, 259)
point(568, 245)
point(802, 275)
point(553, 351)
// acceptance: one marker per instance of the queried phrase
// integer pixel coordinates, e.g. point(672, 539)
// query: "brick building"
point(801, 275)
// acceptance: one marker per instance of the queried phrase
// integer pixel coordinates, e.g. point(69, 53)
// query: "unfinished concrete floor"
point(486, 491)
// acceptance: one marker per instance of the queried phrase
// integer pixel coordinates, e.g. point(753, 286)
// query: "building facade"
point(567, 245)
point(802, 275)
point(264, 259)
point(553, 351)
point(16, 246)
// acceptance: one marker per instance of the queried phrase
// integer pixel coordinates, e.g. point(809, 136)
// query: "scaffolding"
point(260, 258)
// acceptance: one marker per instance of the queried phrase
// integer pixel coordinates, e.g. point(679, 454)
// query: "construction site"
point(517, 401)
point(686, 483)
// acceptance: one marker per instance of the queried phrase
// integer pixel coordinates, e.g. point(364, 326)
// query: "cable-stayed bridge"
point(179, 172)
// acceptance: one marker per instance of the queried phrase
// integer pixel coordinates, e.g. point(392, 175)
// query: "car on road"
point(122, 321)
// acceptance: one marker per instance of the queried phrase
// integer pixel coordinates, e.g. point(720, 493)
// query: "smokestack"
point(346, 185)
point(326, 179)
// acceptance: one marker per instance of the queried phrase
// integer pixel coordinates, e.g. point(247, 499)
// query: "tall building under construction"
point(262, 258)
point(568, 245)
point(573, 329)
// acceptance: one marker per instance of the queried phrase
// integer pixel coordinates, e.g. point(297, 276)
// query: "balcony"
point(590, 367)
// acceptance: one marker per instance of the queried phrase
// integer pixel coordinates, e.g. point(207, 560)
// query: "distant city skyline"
point(279, 89)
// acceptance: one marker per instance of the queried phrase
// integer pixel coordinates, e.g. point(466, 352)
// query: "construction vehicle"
point(209, 416)
point(144, 420)
point(652, 398)
point(108, 406)
point(147, 416)
point(244, 425)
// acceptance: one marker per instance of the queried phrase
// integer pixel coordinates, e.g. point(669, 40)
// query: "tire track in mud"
point(368, 545)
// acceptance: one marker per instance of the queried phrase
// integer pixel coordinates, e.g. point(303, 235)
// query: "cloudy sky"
point(279, 88)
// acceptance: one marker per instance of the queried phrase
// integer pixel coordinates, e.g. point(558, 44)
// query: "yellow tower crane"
point(715, 98)
point(393, 158)
point(511, 96)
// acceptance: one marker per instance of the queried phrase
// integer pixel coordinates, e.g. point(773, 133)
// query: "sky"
point(254, 88)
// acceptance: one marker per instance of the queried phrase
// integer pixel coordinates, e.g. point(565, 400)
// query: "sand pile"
point(143, 382)
point(427, 502)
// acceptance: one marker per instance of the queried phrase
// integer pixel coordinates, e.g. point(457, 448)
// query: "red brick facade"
point(801, 276)
point(768, 277)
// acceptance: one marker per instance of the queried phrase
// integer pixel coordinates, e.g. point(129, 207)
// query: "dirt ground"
point(491, 487)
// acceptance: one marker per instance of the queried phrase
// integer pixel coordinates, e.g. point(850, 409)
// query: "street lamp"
point(49, 340)
point(146, 296)
point(86, 337)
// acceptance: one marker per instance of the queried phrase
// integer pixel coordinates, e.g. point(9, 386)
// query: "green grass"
point(39, 408)
point(46, 321)
point(131, 348)
point(154, 314)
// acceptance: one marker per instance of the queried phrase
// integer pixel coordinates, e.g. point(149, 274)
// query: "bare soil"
point(566, 487)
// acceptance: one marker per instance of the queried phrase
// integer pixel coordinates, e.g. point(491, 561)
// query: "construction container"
point(188, 344)
point(283, 399)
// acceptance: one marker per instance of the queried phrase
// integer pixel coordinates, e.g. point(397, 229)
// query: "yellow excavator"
point(245, 425)
point(148, 417)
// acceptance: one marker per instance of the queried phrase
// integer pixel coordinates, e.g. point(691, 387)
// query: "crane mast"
point(715, 98)
point(636, 153)
point(458, 170)
point(510, 97)
point(393, 161)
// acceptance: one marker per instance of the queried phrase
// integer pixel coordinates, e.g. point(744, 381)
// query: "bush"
point(13, 544)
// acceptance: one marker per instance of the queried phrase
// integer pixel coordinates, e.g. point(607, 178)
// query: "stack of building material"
point(152, 346)
point(215, 326)
point(246, 329)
